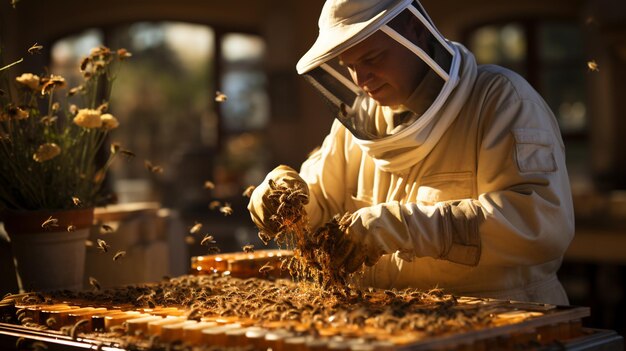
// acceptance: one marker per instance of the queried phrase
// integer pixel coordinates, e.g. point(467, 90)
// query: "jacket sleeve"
point(523, 213)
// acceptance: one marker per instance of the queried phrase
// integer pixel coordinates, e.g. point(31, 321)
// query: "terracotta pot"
point(50, 258)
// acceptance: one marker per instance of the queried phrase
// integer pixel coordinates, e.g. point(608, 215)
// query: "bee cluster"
point(300, 309)
point(314, 252)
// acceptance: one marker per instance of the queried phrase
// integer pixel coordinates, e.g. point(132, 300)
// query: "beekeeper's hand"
point(363, 241)
point(372, 232)
point(262, 208)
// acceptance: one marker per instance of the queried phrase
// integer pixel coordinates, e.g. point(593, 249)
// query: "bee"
point(214, 250)
point(248, 248)
point(209, 185)
point(88, 243)
point(107, 228)
point(196, 228)
point(35, 49)
point(226, 209)
point(102, 245)
point(208, 239)
point(152, 168)
point(119, 254)
point(76, 326)
point(50, 222)
point(195, 314)
point(248, 191)
point(71, 228)
point(190, 240)
point(127, 153)
point(220, 97)
point(50, 322)
point(266, 268)
point(94, 283)
point(214, 204)
point(390, 293)
point(593, 66)
point(76, 201)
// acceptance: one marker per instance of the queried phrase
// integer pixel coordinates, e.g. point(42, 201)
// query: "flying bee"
point(107, 228)
point(71, 228)
point(127, 153)
point(35, 49)
point(226, 209)
point(102, 245)
point(214, 204)
point(266, 268)
point(50, 222)
point(76, 201)
point(76, 327)
point(248, 191)
point(208, 239)
point(593, 66)
point(220, 97)
point(209, 185)
point(50, 322)
point(119, 254)
point(190, 240)
point(214, 250)
point(152, 168)
point(196, 228)
point(88, 243)
point(94, 283)
point(248, 248)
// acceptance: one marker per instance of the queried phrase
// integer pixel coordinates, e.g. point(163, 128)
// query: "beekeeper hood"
point(345, 23)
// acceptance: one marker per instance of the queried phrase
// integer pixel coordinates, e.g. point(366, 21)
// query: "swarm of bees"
point(288, 303)
point(315, 252)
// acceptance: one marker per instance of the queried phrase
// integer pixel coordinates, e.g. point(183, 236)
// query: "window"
point(164, 99)
point(549, 55)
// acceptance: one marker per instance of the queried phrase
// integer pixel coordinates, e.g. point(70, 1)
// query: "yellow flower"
point(46, 152)
point(49, 83)
point(88, 118)
point(30, 80)
point(109, 122)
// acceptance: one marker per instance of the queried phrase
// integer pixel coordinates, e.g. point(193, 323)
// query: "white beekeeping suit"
point(463, 186)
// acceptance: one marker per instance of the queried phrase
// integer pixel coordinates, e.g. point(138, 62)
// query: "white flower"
point(109, 122)
point(88, 118)
point(30, 80)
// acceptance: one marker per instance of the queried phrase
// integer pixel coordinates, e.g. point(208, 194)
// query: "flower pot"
point(50, 258)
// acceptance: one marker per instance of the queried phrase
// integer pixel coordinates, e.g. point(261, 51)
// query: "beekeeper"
point(455, 173)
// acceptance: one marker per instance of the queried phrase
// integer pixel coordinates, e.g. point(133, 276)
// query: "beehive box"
point(218, 310)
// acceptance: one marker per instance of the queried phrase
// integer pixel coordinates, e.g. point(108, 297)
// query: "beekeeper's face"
point(384, 69)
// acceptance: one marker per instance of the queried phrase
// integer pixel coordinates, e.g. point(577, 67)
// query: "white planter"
point(49, 261)
point(51, 258)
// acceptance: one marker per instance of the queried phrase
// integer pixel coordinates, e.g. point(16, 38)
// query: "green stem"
point(12, 64)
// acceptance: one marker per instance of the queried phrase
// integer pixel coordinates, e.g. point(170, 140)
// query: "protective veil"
point(344, 24)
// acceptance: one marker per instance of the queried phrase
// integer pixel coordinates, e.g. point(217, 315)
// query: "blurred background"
point(186, 51)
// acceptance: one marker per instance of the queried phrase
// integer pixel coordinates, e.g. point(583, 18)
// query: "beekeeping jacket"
point(476, 202)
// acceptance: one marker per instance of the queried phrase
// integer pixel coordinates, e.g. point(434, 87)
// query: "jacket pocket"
point(445, 186)
point(533, 151)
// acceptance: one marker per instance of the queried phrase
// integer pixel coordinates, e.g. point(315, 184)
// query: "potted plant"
point(50, 180)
